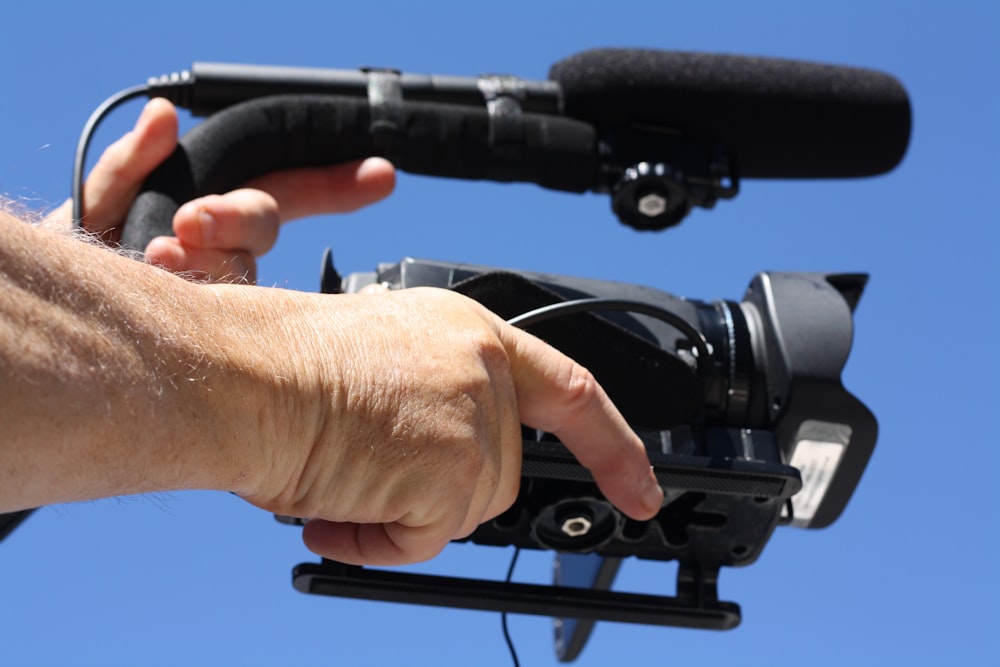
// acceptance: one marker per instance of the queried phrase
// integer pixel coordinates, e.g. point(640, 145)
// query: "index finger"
point(557, 395)
point(125, 164)
point(339, 188)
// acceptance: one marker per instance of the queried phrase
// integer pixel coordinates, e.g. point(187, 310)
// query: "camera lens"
point(727, 397)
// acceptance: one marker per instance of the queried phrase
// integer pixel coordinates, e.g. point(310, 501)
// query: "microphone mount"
point(655, 178)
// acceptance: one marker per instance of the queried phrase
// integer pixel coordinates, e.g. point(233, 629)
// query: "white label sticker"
point(817, 461)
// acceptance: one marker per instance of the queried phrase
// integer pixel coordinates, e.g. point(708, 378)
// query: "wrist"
point(119, 378)
point(264, 390)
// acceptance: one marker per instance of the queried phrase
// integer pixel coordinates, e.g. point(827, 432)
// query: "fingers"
point(125, 164)
point(219, 266)
point(220, 232)
point(400, 542)
point(219, 236)
point(340, 188)
point(557, 395)
point(242, 219)
point(373, 544)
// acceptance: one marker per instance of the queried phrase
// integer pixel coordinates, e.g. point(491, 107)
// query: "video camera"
point(739, 403)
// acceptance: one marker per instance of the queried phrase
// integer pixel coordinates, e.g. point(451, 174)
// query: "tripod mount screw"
point(650, 196)
point(652, 205)
point(576, 526)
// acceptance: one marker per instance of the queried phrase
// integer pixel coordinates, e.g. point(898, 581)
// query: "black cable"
point(564, 308)
point(11, 520)
point(503, 615)
point(80, 161)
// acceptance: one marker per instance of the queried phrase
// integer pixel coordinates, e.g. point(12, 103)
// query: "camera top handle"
point(290, 131)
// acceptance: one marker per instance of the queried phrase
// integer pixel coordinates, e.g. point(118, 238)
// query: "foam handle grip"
point(285, 132)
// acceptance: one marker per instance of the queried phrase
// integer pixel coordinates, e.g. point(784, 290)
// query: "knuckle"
point(615, 467)
point(258, 204)
point(469, 461)
point(579, 387)
point(412, 544)
point(473, 520)
point(506, 494)
point(489, 472)
point(491, 353)
point(424, 551)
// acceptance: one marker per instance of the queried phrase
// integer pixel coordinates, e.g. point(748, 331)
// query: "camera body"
point(758, 432)
point(742, 412)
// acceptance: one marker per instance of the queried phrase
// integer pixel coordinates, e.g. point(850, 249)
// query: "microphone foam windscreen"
point(776, 118)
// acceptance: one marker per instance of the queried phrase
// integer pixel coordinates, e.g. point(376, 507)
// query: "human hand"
point(412, 437)
point(392, 420)
point(218, 237)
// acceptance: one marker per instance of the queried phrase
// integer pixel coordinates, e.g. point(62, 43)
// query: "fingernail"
point(208, 226)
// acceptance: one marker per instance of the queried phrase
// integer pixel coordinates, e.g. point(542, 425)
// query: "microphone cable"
point(503, 615)
point(80, 159)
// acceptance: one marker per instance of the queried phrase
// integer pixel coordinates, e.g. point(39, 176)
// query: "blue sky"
point(908, 573)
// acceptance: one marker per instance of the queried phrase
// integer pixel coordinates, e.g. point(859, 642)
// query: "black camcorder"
point(740, 406)
point(739, 403)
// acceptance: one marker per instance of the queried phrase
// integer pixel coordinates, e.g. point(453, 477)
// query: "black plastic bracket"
point(695, 606)
point(655, 178)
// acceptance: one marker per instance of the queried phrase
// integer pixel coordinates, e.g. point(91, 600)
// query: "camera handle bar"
point(766, 488)
point(696, 604)
point(654, 178)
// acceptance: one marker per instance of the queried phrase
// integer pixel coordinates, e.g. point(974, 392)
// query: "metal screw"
point(652, 205)
point(576, 526)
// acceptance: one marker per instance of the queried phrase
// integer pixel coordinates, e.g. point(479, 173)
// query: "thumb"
point(558, 395)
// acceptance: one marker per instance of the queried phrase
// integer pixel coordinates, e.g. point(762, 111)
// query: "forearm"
point(115, 377)
point(392, 421)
